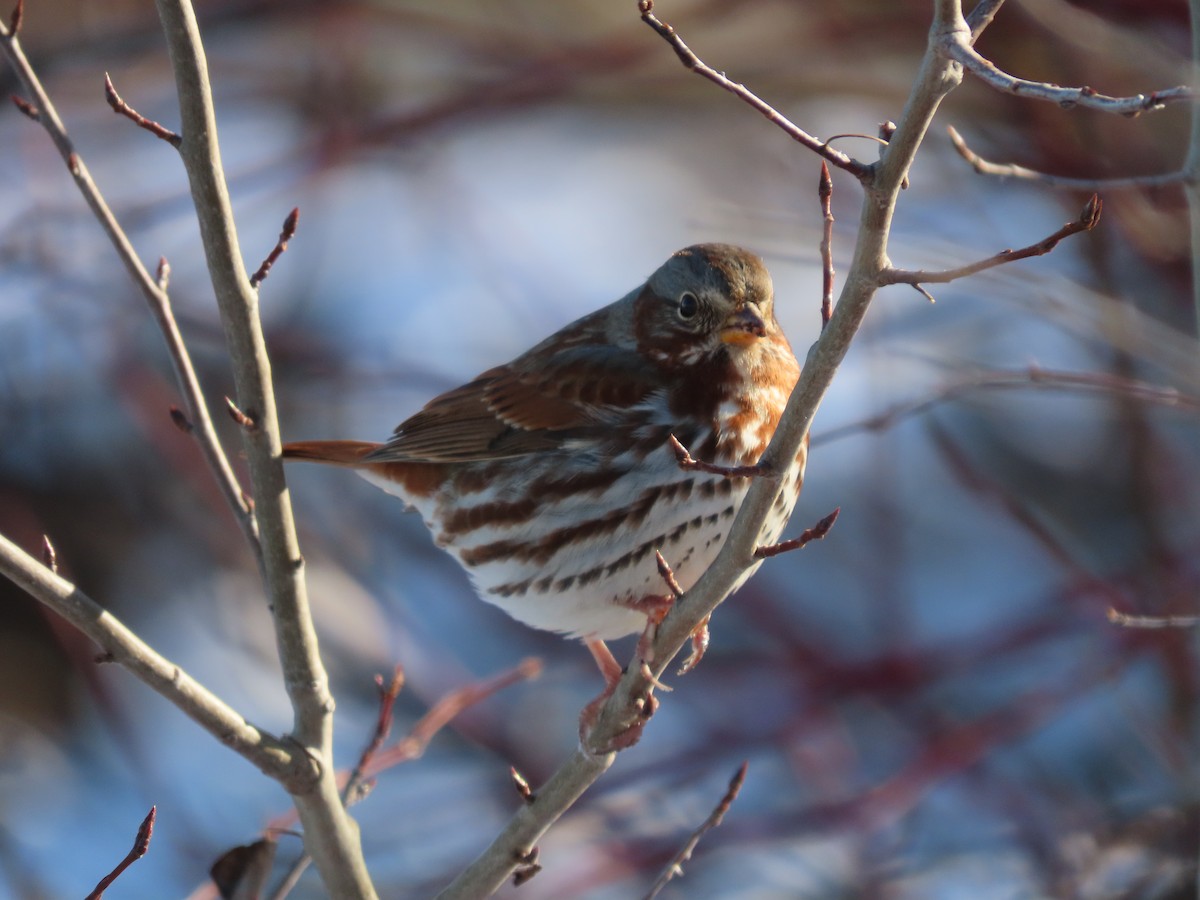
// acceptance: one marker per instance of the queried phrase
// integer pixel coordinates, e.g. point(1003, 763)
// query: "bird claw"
point(627, 736)
point(699, 645)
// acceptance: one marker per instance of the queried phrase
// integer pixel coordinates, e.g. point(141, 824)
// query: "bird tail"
point(333, 453)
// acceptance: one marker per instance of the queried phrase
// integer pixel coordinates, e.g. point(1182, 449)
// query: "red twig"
point(26, 107)
point(693, 63)
point(446, 709)
point(825, 193)
point(121, 108)
point(383, 727)
point(140, 845)
point(675, 866)
point(686, 461)
point(1086, 221)
point(815, 533)
point(289, 231)
point(238, 416)
point(14, 23)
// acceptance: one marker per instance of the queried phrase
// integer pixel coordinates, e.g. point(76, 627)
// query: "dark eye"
point(688, 305)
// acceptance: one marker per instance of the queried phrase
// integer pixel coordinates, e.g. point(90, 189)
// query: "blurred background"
point(932, 701)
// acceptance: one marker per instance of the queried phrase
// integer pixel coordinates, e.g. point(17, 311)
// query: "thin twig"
point(981, 15)
point(957, 47)
point(675, 867)
point(1126, 620)
point(825, 195)
point(1012, 170)
point(1031, 378)
point(691, 61)
point(49, 554)
point(289, 231)
point(688, 463)
point(141, 844)
point(1087, 220)
point(121, 108)
point(816, 533)
point(444, 711)
point(355, 788)
point(154, 293)
point(282, 760)
point(14, 22)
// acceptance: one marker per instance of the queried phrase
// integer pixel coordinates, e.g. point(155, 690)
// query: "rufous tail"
point(332, 453)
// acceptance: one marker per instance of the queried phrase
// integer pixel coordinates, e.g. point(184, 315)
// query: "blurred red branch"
point(140, 845)
point(675, 867)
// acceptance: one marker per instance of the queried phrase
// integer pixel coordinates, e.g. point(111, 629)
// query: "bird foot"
point(612, 672)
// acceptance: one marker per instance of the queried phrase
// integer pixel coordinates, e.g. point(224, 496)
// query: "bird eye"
point(688, 305)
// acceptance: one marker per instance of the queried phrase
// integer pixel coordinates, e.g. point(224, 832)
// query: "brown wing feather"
point(536, 403)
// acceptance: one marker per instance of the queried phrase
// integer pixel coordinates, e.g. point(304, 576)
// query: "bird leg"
point(612, 672)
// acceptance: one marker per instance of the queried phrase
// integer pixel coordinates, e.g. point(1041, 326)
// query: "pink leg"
point(612, 672)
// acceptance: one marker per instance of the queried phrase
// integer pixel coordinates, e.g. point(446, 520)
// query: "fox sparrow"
point(551, 478)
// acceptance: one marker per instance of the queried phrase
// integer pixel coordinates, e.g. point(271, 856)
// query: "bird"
point(553, 479)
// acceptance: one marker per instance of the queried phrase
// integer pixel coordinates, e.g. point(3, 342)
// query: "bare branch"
point(1152, 622)
point(121, 108)
point(445, 710)
point(152, 291)
point(1087, 220)
point(688, 463)
point(957, 46)
point(283, 761)
point(691, 61)
point(141, 844)
point(675, 866)
point(825, 195)
point(1011, 170)
point(330, 836)
point(816, 533)
point(289, 231)
point(623, 709)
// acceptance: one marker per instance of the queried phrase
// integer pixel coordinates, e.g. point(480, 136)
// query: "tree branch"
point(958, 48)
point(330, 836)
point(675, 867)
point(1011, 170)
point(279, 759)
point(1087, 220)
point(153, 291)
point(936, 78)
point(692, 62)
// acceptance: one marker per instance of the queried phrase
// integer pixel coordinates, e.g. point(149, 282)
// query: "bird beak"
point(743, 327)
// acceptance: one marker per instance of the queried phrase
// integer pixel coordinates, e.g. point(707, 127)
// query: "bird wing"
point(536, 403)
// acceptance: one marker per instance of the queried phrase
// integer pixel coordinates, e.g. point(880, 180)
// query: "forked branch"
point(1012, 170)
point(1087, 220)
point(693, 62)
